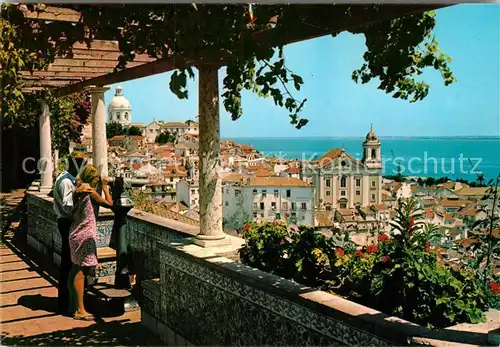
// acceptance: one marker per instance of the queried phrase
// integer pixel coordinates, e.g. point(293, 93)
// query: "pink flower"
point(359, 253)
point(246, 227)
point(385, 259)
point(428, 243)
point(427, 249)
point(282, 242)
point(371, 249)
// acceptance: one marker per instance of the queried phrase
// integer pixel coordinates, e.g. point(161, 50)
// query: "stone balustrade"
point(196, 296)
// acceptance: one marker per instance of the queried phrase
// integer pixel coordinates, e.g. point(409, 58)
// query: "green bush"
point(265, 246)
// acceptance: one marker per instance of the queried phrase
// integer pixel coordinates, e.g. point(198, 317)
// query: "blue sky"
point(337, 106)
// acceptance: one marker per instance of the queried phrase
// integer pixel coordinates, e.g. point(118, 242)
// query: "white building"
point(181, 128)
point(188, 193)
point(341, 181)
point(119, 109)
point(266, 199)
point(404, 191)
point(152, 130)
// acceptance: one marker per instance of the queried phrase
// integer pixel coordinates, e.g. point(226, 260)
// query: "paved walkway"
point(28, 301)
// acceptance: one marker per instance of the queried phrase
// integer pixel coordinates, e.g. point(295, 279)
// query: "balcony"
point(191, 295)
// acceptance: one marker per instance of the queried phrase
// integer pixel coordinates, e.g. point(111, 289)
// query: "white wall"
point(240, 206)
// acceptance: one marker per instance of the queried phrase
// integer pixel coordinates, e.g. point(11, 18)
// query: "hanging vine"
point(397, 50)
point(25, 46)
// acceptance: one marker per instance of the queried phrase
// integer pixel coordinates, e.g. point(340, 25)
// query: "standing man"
point(63, 207)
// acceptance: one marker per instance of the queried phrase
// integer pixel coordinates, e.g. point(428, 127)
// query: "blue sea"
point(454, 157)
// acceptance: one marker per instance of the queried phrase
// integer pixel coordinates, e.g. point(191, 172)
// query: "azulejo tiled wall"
point(42, 226)
point(142, 237)
point(212, 307)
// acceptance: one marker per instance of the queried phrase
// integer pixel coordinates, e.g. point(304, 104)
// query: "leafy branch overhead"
point(397, 50)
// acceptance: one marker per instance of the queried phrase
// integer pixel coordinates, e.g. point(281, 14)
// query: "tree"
point(165, 137)
point(114, 129)
point(398, 50)
point(134, 131)
point(429, 181)
point(480, 180)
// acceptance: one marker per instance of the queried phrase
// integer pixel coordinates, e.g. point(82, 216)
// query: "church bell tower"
point(371, 151)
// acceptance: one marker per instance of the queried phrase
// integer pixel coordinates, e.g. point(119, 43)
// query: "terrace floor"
point(28, 300)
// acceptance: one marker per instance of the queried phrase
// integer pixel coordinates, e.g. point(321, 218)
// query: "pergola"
point(92, 68)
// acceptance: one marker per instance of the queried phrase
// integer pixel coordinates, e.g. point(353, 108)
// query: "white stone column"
point(99, 142)
point(45, 164)
point(210, 187)
point(56, 162)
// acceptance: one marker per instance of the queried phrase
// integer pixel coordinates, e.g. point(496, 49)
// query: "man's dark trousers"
point(64, 224)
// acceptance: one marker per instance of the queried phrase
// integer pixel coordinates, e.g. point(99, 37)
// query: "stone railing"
point(194, 295)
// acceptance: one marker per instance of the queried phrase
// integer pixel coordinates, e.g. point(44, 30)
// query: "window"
point(373, 183)
point(236, 192)
point(284, 206)
point(278, 216)
point(118, 115)
point(293, 215)
point(275, 193)
point(343, 181)
point(171, 179)
point(255, 206)
point(264, 193)
point(192, 191)
point(328, 183)
point(288, 193)
point(373, 196)
point(342, 192)
point(262, 215)
point(226, 203)
point(358, 192)
point(328, 193)
point(255, 215)
point(303, 217)
point(358, 182)
point(328, 208)
point(262, 206)
point(293, 206)
point(343, 204)
point(374, 153)
point(273, 205)
point(304, 206)
point(126, 116)
point(255, 192)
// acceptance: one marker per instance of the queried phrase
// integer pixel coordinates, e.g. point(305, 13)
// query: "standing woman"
point(83, 234)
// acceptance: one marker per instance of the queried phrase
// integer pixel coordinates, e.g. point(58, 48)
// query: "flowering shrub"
point(265, 246)
point(399, 276)
point(308, 254)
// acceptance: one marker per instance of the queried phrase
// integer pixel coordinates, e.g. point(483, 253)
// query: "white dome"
point(119, 102)
point(119, 109)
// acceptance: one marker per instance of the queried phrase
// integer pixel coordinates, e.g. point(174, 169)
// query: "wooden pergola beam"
point(53, 13)
point(90, 64)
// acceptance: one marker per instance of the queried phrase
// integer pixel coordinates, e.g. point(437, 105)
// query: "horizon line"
point(496, 137)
